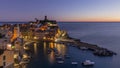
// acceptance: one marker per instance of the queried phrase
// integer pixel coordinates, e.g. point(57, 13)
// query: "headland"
point(15, 37)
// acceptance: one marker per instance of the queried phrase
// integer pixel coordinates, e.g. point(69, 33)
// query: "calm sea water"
point(103, 34)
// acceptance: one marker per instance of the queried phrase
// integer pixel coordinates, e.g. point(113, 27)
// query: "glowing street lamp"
point(9, 46)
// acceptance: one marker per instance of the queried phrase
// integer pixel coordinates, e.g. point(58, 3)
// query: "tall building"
point(16, 32)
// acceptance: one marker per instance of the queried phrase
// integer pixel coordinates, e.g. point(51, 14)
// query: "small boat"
point(88, 63)
point(15, 65)
point(26, 56)
point(49, 51)
point(56, 55)
point(66, 56)
point(60, 61)
point(83, 48)
point(55, 50)
point(24, 61)
point(59, 57)
point(74, 63)
point(73, 45)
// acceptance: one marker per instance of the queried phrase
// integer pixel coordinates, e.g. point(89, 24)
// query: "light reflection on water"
point(45, 45)
point(93, 33)
point(42, 58)
point(51, 57)
point(61, 50)
point(35, 48)
point(43, 48)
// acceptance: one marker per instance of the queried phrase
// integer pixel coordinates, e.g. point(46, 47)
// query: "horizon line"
point(62, 21)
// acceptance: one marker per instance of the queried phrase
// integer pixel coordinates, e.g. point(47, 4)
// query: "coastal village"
point(14, 37)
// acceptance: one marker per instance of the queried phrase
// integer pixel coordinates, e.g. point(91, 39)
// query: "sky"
point(60, 10)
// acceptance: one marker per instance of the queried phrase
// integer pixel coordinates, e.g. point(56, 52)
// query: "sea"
point(103, 34)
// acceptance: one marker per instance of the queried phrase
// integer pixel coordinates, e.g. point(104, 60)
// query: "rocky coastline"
point(98, 51)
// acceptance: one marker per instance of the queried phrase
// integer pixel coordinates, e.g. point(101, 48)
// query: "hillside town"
point(15, 37)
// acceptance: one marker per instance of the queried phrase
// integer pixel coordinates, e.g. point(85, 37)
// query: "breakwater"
point(99, 51)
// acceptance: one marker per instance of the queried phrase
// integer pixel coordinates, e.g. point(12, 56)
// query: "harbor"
point(20, 39)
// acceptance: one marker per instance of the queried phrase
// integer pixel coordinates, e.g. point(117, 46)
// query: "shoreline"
point(98, 51)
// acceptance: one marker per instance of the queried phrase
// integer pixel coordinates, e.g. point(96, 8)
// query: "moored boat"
point(88, 63)
point(74, 63)
point(60, 61)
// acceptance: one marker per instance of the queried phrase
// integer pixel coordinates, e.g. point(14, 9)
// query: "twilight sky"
point(60, 10)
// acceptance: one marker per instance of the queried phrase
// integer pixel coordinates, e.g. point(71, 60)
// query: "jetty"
point(99, 51)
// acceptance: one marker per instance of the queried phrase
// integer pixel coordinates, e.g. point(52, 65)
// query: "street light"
point(9, 47)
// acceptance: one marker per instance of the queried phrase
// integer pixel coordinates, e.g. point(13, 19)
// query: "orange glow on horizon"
point(97, 19)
